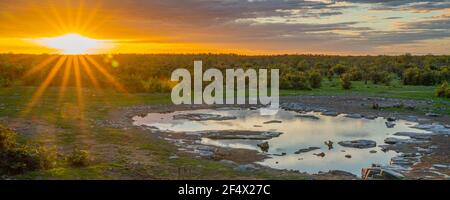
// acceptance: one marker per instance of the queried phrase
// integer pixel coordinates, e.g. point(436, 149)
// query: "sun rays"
point(70, 22)
point(72, 67)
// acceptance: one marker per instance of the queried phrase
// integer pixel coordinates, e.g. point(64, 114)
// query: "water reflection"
point(298, 133)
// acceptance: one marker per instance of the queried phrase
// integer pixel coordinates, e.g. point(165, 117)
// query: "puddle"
point(298, 133)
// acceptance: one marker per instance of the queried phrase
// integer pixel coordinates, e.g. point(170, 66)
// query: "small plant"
point(78, 158)
point(346, 81)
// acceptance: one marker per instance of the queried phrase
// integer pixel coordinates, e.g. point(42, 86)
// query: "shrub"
point(16, 158)
point(339, 69)
point(295, 80)
point(443, 90)
point(78, 158)
point(7, 139)
point(346, 81)
point(315, 79)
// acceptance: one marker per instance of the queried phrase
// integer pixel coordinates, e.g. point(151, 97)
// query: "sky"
point(339, 27)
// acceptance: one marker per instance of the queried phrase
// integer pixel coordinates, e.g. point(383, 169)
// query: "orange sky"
point(230, 26)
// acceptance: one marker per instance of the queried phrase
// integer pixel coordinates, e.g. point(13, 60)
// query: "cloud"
point(291, 25)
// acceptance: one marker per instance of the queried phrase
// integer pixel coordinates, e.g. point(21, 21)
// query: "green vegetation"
point(151, 73)
point(18, 158)
point(443, 90)
point(78, 158)
point(346, 81)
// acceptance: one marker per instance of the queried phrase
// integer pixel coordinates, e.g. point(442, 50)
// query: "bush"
point(315, 79)
point(339, 69)
point(295, 80)
point(78, 158)
point(346, 82)
point(443, 90)
point(16, 158)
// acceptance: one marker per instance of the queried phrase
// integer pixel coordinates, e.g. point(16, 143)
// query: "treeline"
point(151, 73)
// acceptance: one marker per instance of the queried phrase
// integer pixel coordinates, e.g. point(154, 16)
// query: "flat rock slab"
point(202, 117)
point(330, 113)
point(245, 135)
point(418, 136)
point(360, 144)
point(305, 150)
point(308, 117)
point(354, 116)
point(273, 122)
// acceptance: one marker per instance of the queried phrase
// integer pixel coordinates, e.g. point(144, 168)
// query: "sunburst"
point(72, 59)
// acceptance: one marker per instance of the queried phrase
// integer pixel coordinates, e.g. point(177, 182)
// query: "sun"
point(71, 44)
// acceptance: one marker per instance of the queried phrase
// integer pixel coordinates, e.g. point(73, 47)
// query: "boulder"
point(360, 144)
point(391, 119)
point(390, 124)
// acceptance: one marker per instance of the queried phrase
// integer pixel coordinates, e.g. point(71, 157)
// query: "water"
point(298, 133)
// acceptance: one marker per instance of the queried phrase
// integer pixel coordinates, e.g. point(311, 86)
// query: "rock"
point(308, 117)
point(322, 154)
point(264, 146)
point(392, 140)
point(329, 143)
point(360, 144)
point(390, 124)
point(173, 157)
point(372, 151)
point(348, 156)
point(245, 135)
point(418, 136)
point(202, 117)
point(246, 168)
point(306, 150)
point(391, 119)
point(440, 166)
point(371, 117)
point(435, 128)
point(354, 116)
point(330, 113)
point(391, 174)
point(380, 173)
point(432, 115)
point(273, 122)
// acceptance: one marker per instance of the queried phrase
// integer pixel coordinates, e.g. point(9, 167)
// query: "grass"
point(78, 128)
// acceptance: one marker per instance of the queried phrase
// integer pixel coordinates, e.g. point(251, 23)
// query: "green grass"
point(77, 127)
